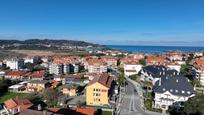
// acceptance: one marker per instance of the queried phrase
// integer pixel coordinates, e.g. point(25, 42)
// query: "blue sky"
point(126, 22)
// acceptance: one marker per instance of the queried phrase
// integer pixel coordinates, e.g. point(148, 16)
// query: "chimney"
point(39, 107)
point(160, 81)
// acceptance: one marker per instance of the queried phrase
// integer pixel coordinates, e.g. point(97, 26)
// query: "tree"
point(186, 70)
point(4, 84)
point(121, 78)
point(196, 83)
point(195, 105)
point(142, 62)
point(79, 104)
point(29, 66)
point(51, 97)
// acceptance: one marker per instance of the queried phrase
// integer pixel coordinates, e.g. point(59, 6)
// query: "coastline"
point(155, 49)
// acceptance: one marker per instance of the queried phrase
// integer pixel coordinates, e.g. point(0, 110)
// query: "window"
point(189, 92)
point(171, 90)
point(176, 91)
point(163, 89)
point(94, 89)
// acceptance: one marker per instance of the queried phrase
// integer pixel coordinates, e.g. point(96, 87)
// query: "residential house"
point(175, 56)
point(70, 90)
point(20, 87)
point(72, 78)
point(128, 60)
point(98, 90)
point(132, 68)
point(16, 88)
point(174, 66)
point(37, 85)
point(198, 67)
point(156, 60)
point(3, 110)
point(169, 90)
point(37, 75)
point(154, 73)
point(17, 105)
point(15, 74)
point(198, 54)
point(137, 55)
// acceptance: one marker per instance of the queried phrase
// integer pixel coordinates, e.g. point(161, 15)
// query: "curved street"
point(132, 101)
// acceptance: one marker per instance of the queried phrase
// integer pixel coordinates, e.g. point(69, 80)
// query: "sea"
point(155, 49)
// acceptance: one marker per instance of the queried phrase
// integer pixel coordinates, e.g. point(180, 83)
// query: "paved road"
point(132, 104)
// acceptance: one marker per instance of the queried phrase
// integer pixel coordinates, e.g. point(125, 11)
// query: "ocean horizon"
point(155, 49)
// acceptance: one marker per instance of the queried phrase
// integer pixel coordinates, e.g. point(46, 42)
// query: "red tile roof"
point(78, 111)
point(96, 62)
point(103, 79)
point(129, 60)
point(109, 58)
point(38, 74)
point(86, 111)
point(65, 59)
point(22, 103)
point(15, 73)
point(158, 59)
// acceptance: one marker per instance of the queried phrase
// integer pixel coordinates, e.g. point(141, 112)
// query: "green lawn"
point(9, 95)
point(106, 113)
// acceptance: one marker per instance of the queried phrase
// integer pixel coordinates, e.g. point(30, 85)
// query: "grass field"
point(9, 95)
point(106, 113)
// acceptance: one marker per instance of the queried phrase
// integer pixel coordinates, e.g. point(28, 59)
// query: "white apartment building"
point(15, 64)
point(97, 68)
point(199, 75)
point(56, 69)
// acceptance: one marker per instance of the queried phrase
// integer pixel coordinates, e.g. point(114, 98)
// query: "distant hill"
point(48, 42)
point(35, 44)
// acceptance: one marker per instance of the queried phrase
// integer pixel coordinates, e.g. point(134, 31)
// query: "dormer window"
point(171, 90)
point(189, 92)
point(163, 89)
point(182, 91)
point(176, 91)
